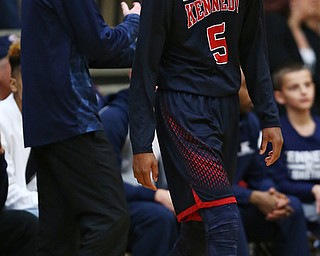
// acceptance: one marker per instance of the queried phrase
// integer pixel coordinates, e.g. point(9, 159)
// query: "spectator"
point(5, 42)
point(191, 51)
point(298, 170)
point(153, 228)
point(79, 183)
point(18, 230)
point(267, 214)
point(293, 38)
point(20, 195)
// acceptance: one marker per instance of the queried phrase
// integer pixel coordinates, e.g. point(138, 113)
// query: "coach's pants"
point(82, 207)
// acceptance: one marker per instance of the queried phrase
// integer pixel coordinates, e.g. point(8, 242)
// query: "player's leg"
point(221, 229)
point(242, 244)
point(191, 143)
point(222, 222)
point(191, 240)
point(192, 134)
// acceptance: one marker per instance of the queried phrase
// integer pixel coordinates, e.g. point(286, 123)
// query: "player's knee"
point(222, 222)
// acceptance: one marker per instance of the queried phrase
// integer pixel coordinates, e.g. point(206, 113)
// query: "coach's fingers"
point(136, 8)
point(125, 8)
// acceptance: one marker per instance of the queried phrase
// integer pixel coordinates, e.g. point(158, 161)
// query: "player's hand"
point(134, 10)
point(274, 136)
point(143, 164)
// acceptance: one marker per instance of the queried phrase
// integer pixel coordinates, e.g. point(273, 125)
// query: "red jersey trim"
point(192, 213)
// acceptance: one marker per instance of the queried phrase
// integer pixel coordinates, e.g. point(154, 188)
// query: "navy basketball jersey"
point(197, 46)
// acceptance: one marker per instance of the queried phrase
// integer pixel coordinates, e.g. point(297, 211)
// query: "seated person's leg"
point(287, 236)
point(259, 230)
point(251, 214)
point(295, 231)
point(153, 229)
point(18, 233)
point(313, 219)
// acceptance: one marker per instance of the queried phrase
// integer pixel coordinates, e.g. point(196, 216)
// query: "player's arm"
point(154, 25)
point(255, 65)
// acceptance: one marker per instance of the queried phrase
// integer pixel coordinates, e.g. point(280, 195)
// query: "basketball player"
point(192, 50)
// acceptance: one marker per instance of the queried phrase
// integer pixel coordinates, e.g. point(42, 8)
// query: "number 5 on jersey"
point(218, 45)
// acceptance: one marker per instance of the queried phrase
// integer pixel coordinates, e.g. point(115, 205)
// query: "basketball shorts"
point(198, 142)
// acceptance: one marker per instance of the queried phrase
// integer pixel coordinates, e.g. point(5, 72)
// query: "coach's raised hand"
point(136, 8)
